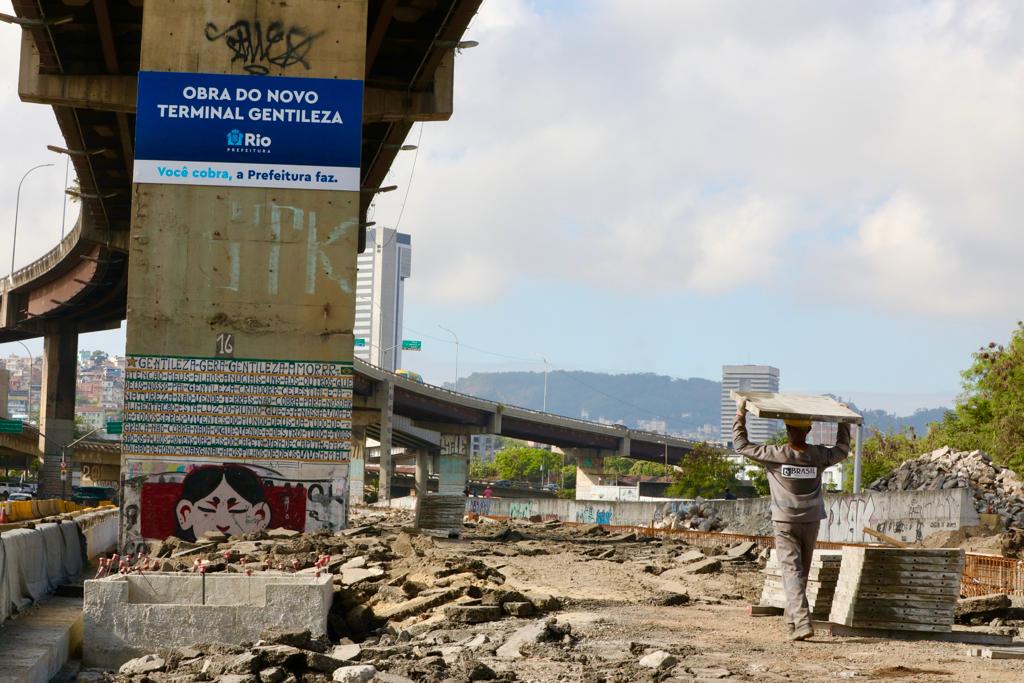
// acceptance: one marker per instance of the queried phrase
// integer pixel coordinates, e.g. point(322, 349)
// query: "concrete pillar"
point(385, 400)
point(589, 468)
point(247, 291)
point(357, 467)
point(453, 464)
point(57, 419)
point(422, 472)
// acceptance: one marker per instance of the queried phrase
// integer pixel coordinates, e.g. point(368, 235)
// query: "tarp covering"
point(33, 562)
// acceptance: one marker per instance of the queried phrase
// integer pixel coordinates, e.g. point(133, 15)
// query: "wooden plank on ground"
point(764, 611)
point(896, 543)
point(954, 636)
point(796, 406)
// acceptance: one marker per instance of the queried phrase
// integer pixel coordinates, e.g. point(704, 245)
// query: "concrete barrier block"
point(127, 616)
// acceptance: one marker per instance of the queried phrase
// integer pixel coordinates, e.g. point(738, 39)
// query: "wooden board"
point(764, 611)
point(954, 636)
point(997, 652)
point(796, 406)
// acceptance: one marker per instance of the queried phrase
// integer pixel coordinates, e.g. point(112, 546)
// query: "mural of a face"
point(228, 499)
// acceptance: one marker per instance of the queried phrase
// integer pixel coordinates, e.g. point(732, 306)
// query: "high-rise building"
point(748, 378)
point(382, 269)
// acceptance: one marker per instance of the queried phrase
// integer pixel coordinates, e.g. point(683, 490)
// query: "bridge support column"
point(589, 468)
point(245, 288)
point(357, 467)
point(385, 399)
point(422, 472)
point(453, 465)
point(57, 419)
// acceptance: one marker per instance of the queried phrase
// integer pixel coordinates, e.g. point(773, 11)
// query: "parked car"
point(503, 483)
point(19, 496)
point(550, 487)
point(93, 495)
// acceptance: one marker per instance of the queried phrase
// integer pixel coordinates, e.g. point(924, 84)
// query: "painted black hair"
point(203, 480)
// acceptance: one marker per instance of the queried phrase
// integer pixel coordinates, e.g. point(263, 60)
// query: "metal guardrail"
point(983, 574)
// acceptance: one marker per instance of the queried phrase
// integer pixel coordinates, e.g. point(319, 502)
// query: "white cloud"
point(694, 146)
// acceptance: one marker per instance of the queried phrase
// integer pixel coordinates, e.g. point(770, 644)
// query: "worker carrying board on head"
point(794, 478)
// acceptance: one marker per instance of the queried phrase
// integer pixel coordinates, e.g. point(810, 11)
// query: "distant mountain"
point(688, 407)
point(643, 401)
point(888, 422)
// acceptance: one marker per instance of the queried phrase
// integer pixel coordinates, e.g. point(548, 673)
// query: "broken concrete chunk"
point(362, 673)
point(692, 555)
point(519, 609)
point(473, 614)
point(294, 638)
point(481, 672)
point(419, 604)
point(533, 633)
point(704, 567)
point(385, 677)
point(142, 665)
point(245, 663)
point(742, 549)
point(658, 660)
point(273, 674)
point(281, 655)
point(281, 532)
point(236, 678)
point(354, 575)
point(982, 608)
point(346, 653)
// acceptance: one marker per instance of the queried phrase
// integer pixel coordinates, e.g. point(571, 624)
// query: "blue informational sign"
point(248, 131)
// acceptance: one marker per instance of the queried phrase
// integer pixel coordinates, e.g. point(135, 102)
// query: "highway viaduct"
point(167, 257)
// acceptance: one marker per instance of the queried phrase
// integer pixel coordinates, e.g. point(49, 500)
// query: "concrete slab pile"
point(906, 589)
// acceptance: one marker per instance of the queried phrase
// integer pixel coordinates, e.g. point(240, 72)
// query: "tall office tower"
point(380, 297)
point(748, 378)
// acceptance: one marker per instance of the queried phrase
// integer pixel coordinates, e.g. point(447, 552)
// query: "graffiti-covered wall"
point(907, 515)
point(186, 499)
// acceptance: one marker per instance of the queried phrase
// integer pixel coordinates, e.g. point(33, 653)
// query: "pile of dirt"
point(996, 489)
point(696, 515)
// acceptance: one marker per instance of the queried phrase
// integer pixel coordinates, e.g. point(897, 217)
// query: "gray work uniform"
point(794, 478)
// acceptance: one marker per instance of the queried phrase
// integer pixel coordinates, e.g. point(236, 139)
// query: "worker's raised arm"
point(841, 450)
point(754, 452)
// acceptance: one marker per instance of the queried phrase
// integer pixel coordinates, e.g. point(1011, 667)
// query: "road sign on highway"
point(360, 343)
point(11, 426)
point(412, 345)
point(115, 427)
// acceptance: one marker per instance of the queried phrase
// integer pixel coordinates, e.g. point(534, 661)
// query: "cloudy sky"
point(668, 186)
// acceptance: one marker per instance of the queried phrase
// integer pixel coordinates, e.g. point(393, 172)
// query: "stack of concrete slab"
point(821, 583)
point(905, 589)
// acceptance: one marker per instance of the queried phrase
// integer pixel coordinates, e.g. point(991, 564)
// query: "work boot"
point(801, 632)
point(789, 628)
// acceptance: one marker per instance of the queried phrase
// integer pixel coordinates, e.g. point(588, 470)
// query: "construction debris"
point(897, 588)
point(996, 489)
point(696, 515)
point(982, 609)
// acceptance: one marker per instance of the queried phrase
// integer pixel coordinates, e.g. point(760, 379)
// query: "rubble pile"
point(996, 489)
point(696, 516)
point(409, 607)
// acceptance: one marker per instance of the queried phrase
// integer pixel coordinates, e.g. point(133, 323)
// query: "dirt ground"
point(615, 608)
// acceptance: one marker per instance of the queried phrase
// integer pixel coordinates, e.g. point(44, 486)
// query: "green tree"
point(989, 415)
point(706, 472)
point(642, 468)
point(482, 470)
point(616, 464)
point(522, 463)
point(880, 455)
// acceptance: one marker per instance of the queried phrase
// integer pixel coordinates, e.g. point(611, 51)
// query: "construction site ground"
point(597, 606)
point(615, 607)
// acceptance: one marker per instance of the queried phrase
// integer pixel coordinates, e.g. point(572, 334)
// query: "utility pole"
point(456, 385)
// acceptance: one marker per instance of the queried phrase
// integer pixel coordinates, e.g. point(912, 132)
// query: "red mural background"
point(287, 508)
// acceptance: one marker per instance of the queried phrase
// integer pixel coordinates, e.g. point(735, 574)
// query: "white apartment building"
point(382, 269)
point(748, 378)
point(484, 446)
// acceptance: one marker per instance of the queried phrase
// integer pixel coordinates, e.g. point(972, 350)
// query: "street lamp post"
point(545, 382)
point(456, 385)
point(17, 205)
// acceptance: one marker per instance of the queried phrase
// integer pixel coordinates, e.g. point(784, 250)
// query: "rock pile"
point(996, 489)
point(696, 516)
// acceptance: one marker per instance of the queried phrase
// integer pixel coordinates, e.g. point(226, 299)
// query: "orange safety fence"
point(983, 574)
